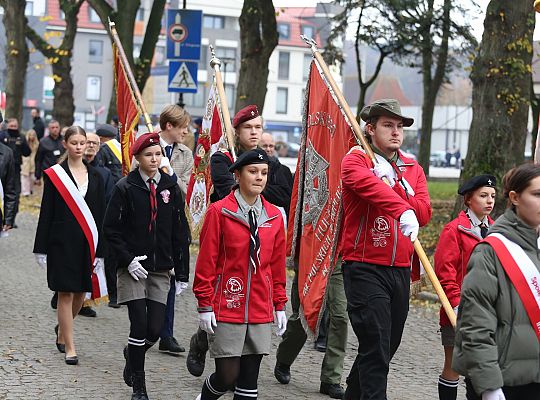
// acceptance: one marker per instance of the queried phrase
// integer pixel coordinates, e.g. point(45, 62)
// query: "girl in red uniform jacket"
point(240, 280)
point(456, 243)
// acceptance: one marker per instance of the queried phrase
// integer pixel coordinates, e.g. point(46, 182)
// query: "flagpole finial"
point(214, 60)
point(111, 23)
point(310, 42)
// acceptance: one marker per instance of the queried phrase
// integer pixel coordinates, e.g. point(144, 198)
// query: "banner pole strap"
point(367, 148)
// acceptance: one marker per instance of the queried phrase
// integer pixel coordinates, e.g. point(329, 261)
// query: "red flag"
point(128, 112)
point(316, 202)
point(200, 183)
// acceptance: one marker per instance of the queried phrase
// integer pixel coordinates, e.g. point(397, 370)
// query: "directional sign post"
point(184, 34)
point(182, 76)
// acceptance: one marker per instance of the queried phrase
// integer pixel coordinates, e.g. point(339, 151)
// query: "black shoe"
point(196, 357)
point(127, 369)
point(60, 346)
point(139, 386)
point(87, 312)
point(54, 301)
point(170, 345)
point(334, 390)
point(72, 360)
point(113, 304)
point(320, 346)
point(282, 373)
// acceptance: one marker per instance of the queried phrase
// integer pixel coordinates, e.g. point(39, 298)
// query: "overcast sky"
point(477, 23)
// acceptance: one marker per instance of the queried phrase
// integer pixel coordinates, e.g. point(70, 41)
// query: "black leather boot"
point(139, 386)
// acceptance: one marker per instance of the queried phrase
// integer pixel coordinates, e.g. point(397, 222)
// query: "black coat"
point(60, 236)
point(39, 127)
point(48, 153)
point(128, 217)
point(278, 188)
point(106, 158)
point(16, 142)
point(8, 175)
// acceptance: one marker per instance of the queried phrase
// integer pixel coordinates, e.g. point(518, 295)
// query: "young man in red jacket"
point(381, 221)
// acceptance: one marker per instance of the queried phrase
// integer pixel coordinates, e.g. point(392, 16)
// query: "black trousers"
point(110, 273)
point(530, 391)
point(378, 304)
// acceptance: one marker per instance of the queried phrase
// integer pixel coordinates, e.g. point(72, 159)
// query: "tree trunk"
point(501, 78)
point(256, 48)
point(63, 101)
point(16, 56)
point(535, 108)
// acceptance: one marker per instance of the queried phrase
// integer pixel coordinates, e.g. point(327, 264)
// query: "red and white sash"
point(522, 272)
point(77, 205)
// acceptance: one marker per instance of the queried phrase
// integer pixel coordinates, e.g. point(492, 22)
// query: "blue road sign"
point(184, 34)
point(183, 76)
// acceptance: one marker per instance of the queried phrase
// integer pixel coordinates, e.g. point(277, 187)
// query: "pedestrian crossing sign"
point(183, 76)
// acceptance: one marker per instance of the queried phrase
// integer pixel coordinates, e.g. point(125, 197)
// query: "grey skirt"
point(235, 340)
point(155, 287)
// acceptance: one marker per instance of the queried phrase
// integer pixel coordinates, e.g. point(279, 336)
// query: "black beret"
point(256, 156)
point(106, 130)
point(477, 182)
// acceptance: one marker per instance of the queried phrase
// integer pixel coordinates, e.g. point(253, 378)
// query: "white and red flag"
point(200, 183)
point(315, 214)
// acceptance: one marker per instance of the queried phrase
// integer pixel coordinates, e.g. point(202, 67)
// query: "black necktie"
point(483, 231)
point(168, 151)
point(254, 243)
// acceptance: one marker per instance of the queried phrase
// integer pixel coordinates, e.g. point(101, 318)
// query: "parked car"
point(438, 159)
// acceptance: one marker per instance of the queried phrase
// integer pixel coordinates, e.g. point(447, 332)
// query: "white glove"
point(456, 309)
point(496, 394)
point(409, 224)
point(180, 287)
point(99, 265)
point(166, 163)
point(135, 268)
point(281, 319)
point(384, 170)
point(41, 259)
point(207, 320)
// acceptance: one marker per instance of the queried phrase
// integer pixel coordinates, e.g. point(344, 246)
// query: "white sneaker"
point(199, 397)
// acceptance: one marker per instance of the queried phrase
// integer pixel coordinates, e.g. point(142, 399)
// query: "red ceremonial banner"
point(128, 112)
point(315, 214)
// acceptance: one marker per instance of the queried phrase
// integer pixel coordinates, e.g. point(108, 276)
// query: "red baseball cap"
point(144, 141)
point(245, 114)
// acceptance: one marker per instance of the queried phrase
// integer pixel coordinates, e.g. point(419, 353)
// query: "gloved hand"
point(281, 319)
point(135, 268)
point(496, 394)
point(409, 224)
point(166, 163)
point(99, 265)
point(384, 170)
point(456, 309)
point(180, 287)
point(207, 320)
point(41, 259)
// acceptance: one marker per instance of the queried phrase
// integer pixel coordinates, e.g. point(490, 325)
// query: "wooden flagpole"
point(215, 63)
point(357, 132)
point(131, 79)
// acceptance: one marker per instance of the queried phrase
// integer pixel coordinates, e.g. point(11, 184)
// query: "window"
point(140, 14)
point(213, 22)
point(284, 31)
point(227, 55)
point(281, 100)
point(307, 63)
point(159, 55)
point(196, 99)
point(93, 88)
point(203, 63)
point(283, 68)
point(95, 51)
point(29, 8)
point(307, 30)
point(230, 92)
point(93, 15)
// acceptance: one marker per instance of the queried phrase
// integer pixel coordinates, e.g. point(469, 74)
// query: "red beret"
point(245, 114)
point(144, 141)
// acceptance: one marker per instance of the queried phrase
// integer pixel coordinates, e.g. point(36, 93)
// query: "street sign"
point(184, 34)
point(182, 76)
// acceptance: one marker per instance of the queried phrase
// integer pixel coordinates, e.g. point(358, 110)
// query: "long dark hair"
point(518, 179)
point(72, 130)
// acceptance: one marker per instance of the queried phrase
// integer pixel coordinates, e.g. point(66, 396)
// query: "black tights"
point(239, 374)
point(146, 318)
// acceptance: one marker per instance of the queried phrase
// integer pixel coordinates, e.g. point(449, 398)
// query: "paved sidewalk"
point(32, 368)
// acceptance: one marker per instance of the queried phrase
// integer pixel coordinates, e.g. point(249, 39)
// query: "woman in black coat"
point(60, 242)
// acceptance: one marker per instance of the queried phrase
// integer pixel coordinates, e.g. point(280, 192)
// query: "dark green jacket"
point(495, 343)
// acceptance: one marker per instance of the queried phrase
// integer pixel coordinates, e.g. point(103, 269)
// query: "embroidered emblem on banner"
point(379, 232)
point(316, 186)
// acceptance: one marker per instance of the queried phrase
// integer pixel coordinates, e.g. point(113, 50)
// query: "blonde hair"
point(175, 115)
point(32, 133)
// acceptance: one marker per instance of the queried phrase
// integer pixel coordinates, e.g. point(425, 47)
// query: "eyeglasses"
point(92, 143)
